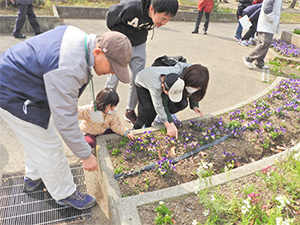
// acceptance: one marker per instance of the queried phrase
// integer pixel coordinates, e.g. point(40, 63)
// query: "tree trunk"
point(293, 3)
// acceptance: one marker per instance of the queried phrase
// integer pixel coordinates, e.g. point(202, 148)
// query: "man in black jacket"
point(135, 18)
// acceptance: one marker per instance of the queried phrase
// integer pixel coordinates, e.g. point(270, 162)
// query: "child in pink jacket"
point(101, 117)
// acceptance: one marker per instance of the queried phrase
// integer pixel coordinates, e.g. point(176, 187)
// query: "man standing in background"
point(25, 7)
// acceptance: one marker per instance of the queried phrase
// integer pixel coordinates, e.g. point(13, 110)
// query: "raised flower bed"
point(263, 128)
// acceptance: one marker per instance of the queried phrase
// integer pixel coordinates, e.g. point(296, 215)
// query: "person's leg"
point(238, 33)
point(136, 64)
point(91, 140)
point(200, 13)
point(260, 51)
point(22, 11)
point(145, 106)
point(267, 40)
point(44, 156)
point(32, 20)
point(207, 14)
point(112, 81)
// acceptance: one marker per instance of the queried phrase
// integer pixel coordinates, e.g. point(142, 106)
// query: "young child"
point(153, 100)
point(104, 120)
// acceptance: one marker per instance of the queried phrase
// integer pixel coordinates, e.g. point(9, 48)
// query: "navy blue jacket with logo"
point(130, 17)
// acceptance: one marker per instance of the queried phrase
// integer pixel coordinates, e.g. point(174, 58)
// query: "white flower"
point(279, 220)
point(247, 203)
point(206, 212)
point(297, 156)
point(194, 222)
point(161, 202)
point(212, 198)
point(244, 209)
point(283, 201)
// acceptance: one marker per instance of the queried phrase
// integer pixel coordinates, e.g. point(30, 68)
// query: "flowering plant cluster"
point(164, 166)
point(285, 49)
point(163, 214)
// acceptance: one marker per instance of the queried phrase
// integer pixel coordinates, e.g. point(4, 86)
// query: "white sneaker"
point(156, 122)
point(243, 43)
point(174, 117)
point(248, 64)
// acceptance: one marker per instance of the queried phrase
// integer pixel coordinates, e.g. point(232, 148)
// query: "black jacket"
point(131, 18)
point(242, 5)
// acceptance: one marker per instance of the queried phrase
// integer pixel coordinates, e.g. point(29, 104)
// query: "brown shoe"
point(130, 116)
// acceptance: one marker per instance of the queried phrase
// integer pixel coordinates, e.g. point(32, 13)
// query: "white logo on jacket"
point(135, 23)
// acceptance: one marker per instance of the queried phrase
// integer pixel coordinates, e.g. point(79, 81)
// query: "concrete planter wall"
point(99, 13)
point(7, 23)
point(60, 12)
point(290, 38)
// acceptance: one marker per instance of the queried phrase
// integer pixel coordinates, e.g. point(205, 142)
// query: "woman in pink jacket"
point(203, 6)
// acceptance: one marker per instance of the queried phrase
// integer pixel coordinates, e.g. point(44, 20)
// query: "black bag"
point(168, 60)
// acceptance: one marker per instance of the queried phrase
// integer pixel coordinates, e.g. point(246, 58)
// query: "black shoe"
point(226, 1)
point(195, 31)
point(19, 35)
point(38, 33)
point(130, 116)
point(204, 31)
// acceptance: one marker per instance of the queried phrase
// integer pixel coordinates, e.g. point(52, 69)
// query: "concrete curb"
point(99, 13)
point(124, 210)
point(7, 23)
point(63, 12)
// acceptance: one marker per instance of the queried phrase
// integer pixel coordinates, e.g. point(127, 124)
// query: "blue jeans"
point(239, 30)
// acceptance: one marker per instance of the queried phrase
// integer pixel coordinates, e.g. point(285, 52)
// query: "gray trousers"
point(261, 50)
point(136, 64)
point(24, 10)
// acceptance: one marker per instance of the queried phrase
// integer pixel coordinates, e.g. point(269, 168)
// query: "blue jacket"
point(47, 73)
point(253, 11)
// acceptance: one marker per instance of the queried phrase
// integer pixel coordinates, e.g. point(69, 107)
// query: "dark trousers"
point(24, 10)
point(250, 33)
point(200, 13)
point(146, 111)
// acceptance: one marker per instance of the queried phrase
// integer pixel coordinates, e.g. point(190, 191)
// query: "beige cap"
point(117, 48)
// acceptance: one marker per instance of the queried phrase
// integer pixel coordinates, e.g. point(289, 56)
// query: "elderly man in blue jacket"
point(45, 75)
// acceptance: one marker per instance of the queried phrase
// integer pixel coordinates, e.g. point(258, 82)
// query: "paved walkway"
point(230, 82)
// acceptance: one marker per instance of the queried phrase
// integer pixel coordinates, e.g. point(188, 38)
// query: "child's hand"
point(197, 110)
point(130, 136)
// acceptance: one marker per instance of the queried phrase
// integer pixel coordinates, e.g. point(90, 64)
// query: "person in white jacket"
point(267, 26)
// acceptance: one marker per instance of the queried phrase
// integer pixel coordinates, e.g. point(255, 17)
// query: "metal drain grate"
point(37, 207)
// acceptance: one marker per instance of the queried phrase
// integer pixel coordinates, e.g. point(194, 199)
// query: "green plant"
point(116, 152)
point(296, 31)
point(119, 169)
point(123, 142)
point(163, 214)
